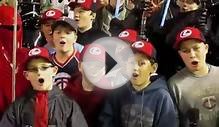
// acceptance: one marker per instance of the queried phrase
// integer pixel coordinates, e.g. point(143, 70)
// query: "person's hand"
point(150, 7)
point(202, 21)
point(203, 18)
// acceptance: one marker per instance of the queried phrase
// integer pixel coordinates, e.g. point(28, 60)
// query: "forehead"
point(63, 27)
point(139, 56)
point(38, 62)
point(77, 9)
point(189, 1)
point(48, 21)
point(190, 43)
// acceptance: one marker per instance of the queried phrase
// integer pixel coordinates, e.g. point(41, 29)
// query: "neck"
point(87, 86)
point(202, 72)
point(65, 54)
point(84, 29)
point(62, 56)
point(140, 87)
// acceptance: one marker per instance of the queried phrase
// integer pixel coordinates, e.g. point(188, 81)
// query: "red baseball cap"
point(7, 16)
point(145, 47)
point(85, 4)
point(51, 14)
point(129, 35)
point(188, 33)
point(37, 53)
point(93, 52)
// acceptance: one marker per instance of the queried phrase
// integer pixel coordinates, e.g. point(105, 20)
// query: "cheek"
point(55, 39)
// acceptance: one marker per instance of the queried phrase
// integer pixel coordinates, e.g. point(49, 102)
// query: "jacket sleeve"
point(110, 114)
point(166, 114)
point(9, 118)
point(76, 118)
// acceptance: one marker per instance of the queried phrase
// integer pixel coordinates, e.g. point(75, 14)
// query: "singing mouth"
point(194, 63)
point(135, 75)
point(62, 42)
point(41, 80)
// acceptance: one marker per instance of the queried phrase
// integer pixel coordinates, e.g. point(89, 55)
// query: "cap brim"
point(63, 23)
point(177, 45)
point(29, 59)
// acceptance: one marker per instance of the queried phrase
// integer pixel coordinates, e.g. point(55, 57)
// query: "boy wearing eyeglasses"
point(43, 105)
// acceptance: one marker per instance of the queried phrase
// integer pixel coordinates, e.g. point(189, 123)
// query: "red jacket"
point(91, 102)
point(6, 79)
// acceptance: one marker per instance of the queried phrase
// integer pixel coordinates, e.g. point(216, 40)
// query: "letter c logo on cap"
point(50, 13)
point(138, 44)
point(124, 34)
point(95, 51)
point(185, 33)
point(34, 52)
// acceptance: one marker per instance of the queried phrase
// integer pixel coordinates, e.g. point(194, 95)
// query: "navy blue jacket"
point(150, 107)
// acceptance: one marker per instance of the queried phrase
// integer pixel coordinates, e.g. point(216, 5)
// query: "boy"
point(83, 90)
point(44, 105)
point(47, 19)
point(143, 102)
point(85, 15)
point(195, 87)
point(64, 32)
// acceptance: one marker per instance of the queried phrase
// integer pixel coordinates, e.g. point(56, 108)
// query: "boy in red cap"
point(142, 102)
point(47, 19)
point(195, 87)
point(43, 105)
point(83, 90)
point(85, 15)
point(64, 32)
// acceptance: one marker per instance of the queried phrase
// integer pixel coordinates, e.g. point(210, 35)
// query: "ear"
point(93, 15)
point(55, 70)
point(154, 67)
point(76, 36)
point(80, 66)
point(25, 73)
point(206, 47)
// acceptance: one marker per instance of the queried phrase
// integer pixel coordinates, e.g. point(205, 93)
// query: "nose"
point(192, 53)
point(62, 34)
point(76, 14)
point(136, 66)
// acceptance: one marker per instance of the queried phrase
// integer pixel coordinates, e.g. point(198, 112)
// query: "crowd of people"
point(174, 72)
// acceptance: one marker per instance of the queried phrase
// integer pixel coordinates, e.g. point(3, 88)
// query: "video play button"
point(104, 63)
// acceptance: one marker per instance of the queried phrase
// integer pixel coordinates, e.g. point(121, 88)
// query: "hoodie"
point(150, 107)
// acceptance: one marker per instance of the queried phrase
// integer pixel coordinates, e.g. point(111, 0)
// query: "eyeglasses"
point(36, 69)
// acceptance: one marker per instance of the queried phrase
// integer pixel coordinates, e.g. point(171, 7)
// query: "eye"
point(48, 25)
point(141, 63)
point(185, 50)
point(68, 32)
point(57, 32)
point(43, 68)
point(196, 48)
point(34, 69)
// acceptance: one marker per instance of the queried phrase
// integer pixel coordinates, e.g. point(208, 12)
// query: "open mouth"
point(62, 42)
point(76, 20)
point(194, 63)
point(41, 80)
point(134, 75)
point(50, 33)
